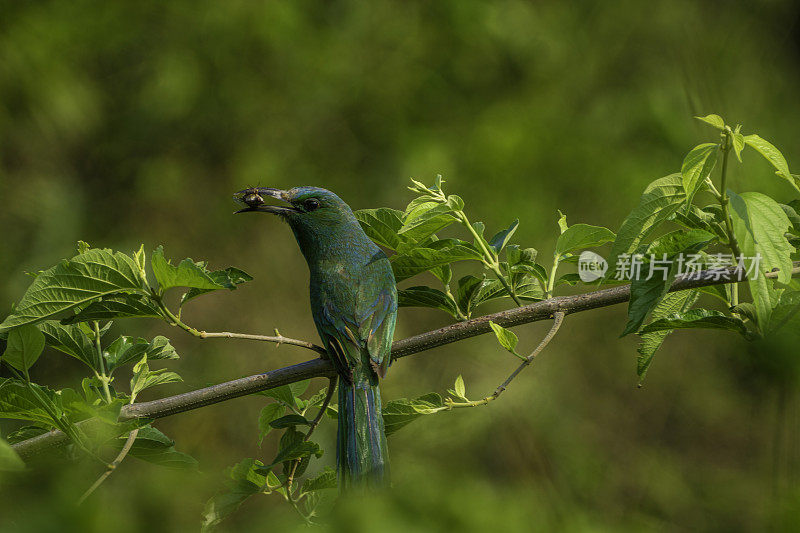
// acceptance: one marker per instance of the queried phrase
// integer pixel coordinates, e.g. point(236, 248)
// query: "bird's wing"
point(377, 328)
point(368, 331)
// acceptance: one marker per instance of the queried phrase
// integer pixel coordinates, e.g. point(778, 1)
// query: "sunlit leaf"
point(74, 282)
point(186, 274)
point(697, 166)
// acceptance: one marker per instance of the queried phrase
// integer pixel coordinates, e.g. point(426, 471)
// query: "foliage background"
point(129, 122)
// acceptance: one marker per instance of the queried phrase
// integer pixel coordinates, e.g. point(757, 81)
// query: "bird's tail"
point(361, 455)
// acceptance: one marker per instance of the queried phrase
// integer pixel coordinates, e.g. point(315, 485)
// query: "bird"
point(353, 298)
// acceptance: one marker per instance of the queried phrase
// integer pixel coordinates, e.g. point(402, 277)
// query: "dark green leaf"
point(24, 346)
point(269, 413)
point(697, 319)
point(27, 402)
point(116, 306)
point(324, 480)
point(672, 303)
point(290, 420)
point(426, 297)
point(71, 340)
point(126, 349)
point(154, 447)
point(501, 238)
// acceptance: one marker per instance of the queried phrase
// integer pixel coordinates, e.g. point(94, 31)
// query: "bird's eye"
point(311, 204)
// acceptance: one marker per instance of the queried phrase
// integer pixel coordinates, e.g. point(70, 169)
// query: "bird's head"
point(311, 212)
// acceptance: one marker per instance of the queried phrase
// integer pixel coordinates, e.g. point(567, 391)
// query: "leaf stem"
point(551, 279)
point(489, 257)
point(724, 202)
point(102, 376)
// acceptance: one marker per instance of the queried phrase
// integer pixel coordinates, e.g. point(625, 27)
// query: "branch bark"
point(419, 343)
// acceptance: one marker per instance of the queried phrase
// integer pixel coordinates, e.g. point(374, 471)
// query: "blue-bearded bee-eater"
point(354, 306)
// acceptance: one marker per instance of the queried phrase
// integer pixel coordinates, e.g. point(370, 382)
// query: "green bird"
point(354, 306)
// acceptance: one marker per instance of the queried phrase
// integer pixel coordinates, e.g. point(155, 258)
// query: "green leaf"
point(116, 306)
point(698, 319)
point(24, 346)
point(74, 282)
point(760, 226)
point(126, 349)
point(245, 482)
point(401, 412)
point(517, 256)
point(324, 480)
point(296, 450)
point(647, 293)
point(153, 446)
point(381, 225)
point(580, 236)
point(507, 338)
point(697, 166)
point(459, 388)
point(143, 378)
point(672, 303)
point(501, 238)
point(71, 340)
point(290, 420)
point(738, 145)
point(270, 412)
point(21, 401)
point(424, 219)
point(774, 156)
point(9, 460)
point(426, 297)
point(786, 315)
point(573, 278)
point(437, 253)
point(186, 274)
point(661, 199)
point(562, 221)
point(229, 278)
point(713, 120)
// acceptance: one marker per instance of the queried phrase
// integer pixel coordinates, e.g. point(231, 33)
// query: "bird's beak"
point(253, 198)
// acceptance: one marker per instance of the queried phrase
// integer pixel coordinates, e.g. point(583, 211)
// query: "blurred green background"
point(133, 122)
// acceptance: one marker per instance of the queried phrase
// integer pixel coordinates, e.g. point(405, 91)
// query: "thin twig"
point(419, 343)
point(112, 465)
point(278, 339)
point(558, 318)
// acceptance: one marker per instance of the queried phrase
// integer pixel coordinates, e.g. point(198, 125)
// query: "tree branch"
point(419, 343)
